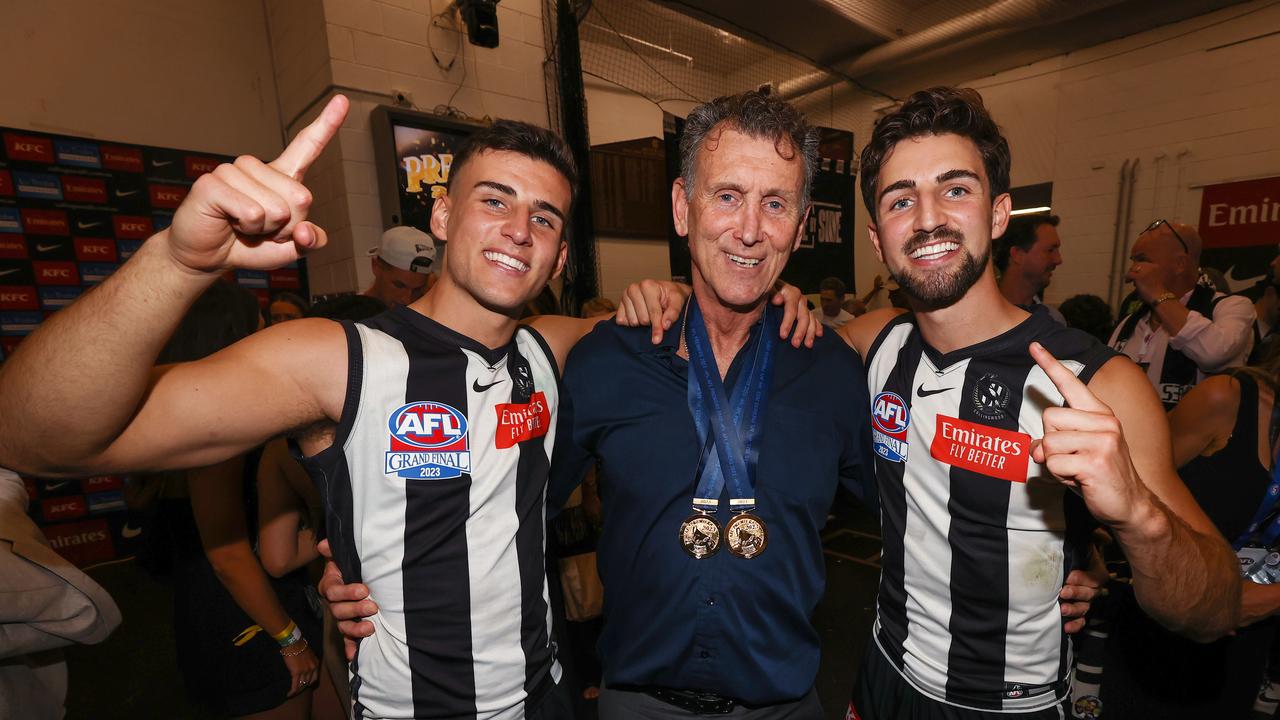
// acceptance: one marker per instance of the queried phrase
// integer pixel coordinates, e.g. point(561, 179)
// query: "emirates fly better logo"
point(428, 440)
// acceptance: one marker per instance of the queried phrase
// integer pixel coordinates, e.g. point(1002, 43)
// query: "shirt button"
point(711, 601)
point(704, 654)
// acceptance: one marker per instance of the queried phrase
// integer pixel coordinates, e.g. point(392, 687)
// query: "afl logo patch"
point(427, 440)
point(890, 419)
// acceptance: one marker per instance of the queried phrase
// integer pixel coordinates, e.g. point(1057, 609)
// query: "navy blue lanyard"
point(722, 419)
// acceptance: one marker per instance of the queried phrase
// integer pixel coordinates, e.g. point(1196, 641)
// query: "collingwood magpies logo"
point(990, 397)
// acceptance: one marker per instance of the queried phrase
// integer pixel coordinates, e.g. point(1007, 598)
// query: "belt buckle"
point(701, 703)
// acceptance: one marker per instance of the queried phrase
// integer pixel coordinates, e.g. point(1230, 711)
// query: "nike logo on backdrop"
point(161, 163)
point(122, 193)
point(86, 226)
point(926, 393)
point(46, 248)
point(9, 272)
point(481, 388)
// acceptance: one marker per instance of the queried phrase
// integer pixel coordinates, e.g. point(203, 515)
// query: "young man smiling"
point(979, 432)
point(428, 428)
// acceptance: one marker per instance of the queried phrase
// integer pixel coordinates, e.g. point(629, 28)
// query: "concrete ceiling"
point(891, 47)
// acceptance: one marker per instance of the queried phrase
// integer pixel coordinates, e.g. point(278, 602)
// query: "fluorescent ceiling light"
point(1028, 211)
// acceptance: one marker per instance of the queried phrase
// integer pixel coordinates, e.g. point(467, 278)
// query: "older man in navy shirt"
point(689, 629)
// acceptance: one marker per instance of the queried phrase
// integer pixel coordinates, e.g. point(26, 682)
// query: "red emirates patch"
point(518, 422)
point(985, 450)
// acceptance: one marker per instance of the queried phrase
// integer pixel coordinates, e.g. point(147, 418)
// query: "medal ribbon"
point(722, 419)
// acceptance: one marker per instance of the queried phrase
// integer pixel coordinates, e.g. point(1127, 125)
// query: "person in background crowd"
point(858, 306)
point(46, 604)
point(1184, 331)
point(831, 312)
point(1224, 443)
point(285, 306)
point(1026, 256)
point(598, 305)
point(1089, 313)
point(247, 644)
point(402, 262)
point(1267, 308)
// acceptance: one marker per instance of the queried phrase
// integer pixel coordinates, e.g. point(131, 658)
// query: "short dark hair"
point(292, 299)
point(1020, 233)
point(222, 315)
point(936, 111)
point(832, 283)
point(759, 116)
point(1089, 313)
point(524, 138)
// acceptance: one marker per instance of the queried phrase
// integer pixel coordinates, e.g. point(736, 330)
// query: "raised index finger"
point(308, 144)
point(1076, 393)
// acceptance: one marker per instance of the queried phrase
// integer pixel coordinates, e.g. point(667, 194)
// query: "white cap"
point(406, 248)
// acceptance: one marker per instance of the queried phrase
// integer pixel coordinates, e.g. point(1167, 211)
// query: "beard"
point(944, 287)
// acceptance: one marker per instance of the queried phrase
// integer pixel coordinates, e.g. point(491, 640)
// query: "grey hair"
point(759, 116)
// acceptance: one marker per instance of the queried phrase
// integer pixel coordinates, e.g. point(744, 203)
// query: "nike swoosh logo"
point(161, 163)
point(86, 226)
point(129, 533)
point(126, 194)
point(9, 272)
point(926, 393)
point(481, 388)
point(46, 248)
point(1238, 285)
point(55, 486)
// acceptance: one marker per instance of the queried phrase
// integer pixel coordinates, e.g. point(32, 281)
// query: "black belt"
point(694, 701)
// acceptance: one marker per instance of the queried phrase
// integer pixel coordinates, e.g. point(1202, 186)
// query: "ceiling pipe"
point(998, 19)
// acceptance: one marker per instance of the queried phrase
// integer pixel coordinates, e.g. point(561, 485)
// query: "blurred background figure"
point(47, 605)
point(243, 639)
point(1224, 443)
point(1089, 313)
point(1183, 331)
point(1026, 256)
point(598, 305)
point(402, 264)
point(285, 306)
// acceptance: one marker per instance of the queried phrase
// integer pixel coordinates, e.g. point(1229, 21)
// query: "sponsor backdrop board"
point(72, 210)
point(1240, 226)
point(826, 250)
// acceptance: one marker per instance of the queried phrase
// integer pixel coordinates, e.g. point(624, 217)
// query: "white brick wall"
point(370, 49)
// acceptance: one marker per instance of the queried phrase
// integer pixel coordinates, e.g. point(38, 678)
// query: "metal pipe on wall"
point(1117, 236)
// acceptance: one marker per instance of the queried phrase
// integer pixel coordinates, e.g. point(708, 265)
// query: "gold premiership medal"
point(700, 536)
point(746, 535)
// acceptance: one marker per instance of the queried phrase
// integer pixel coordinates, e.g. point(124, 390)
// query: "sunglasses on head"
point(1162, 221)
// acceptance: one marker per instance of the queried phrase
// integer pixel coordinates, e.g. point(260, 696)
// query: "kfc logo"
point(28, 147)
point(133, 227)
point(167, 196)
point(95, 250)
point(124, 159)
point(64, 508)
point(89, 190)
point(56, 273)
point(101, 483)
point(18, 298)
point(197, 166)
point(45, 222)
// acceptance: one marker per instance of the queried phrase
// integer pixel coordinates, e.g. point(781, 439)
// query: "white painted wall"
point(183, 74)
point(1197, 102)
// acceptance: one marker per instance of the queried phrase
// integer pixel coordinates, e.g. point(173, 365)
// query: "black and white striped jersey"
point(975, 540)
point(434, 494)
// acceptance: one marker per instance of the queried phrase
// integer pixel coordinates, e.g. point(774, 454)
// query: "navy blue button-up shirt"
point(738, 628)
